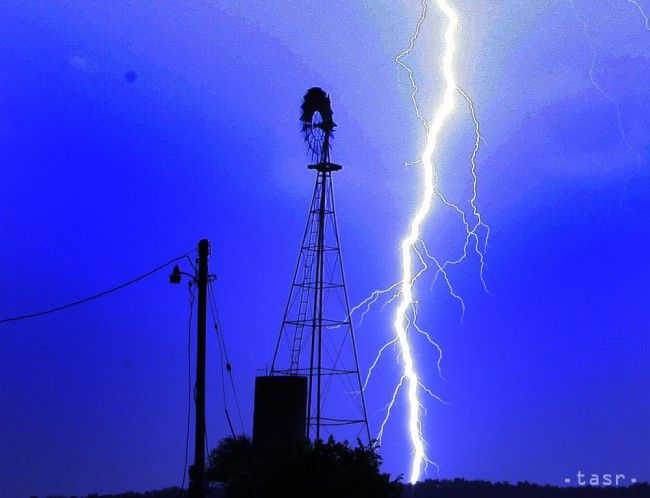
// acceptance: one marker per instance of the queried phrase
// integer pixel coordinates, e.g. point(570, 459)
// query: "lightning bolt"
point(408, 245)
point(405, 317)
point(414, 250)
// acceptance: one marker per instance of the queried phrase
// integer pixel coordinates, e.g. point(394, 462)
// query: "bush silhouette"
point(316, 470)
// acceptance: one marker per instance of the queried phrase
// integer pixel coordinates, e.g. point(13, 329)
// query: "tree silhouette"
point(319, 470)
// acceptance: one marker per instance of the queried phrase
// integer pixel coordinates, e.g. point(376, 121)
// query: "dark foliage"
point(161, 493)
point(460, 488)
point(236, 458)
point(316, 470)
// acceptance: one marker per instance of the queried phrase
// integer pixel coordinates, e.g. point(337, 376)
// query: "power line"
point(223, 354)
point(96, 296)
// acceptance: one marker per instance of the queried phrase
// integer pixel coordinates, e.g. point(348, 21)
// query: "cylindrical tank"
point(280, 411)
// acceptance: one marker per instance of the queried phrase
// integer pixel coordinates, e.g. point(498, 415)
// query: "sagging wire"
point(226, 366)
point(100, 294)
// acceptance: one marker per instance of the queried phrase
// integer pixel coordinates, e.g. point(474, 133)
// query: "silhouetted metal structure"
point(317, 332)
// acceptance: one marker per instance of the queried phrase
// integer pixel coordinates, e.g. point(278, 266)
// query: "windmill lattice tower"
point(316, 339)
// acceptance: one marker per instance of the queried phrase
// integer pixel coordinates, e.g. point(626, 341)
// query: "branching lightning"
point(596, 84)
point(642, 12)
point(599, 88)
point(414, 250)
point(399, 60)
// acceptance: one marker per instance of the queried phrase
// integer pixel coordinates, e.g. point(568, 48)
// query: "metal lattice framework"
point(317, 337)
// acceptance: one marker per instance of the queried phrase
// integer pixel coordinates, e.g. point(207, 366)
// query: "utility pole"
point(197, 471)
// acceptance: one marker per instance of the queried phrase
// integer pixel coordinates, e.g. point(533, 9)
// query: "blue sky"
point(103, 178)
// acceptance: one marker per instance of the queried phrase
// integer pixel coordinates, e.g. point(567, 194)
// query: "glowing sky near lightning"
point(102, 177)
